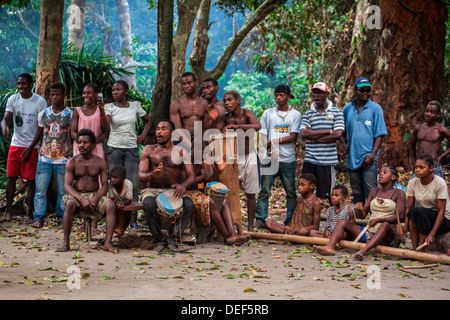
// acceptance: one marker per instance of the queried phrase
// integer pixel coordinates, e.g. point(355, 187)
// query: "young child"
point(432, 215)
point(383, 203)
point(120, 190)
point(338, 211)
point(306, 216)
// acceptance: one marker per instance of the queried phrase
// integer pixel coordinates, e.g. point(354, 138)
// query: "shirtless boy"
point(215, 108)
point(238, 118)
point(428, 136)
point(159, 169)
point(81, 184)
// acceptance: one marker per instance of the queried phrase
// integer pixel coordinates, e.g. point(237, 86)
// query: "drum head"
point(166, 202)
point(217, 187)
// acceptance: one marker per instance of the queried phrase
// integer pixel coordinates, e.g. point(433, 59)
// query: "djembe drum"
point(169, 209)
point(218, 192)
point(226, 145)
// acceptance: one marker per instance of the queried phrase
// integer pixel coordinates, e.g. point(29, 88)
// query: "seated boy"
point(120, 190)
point(307, 210)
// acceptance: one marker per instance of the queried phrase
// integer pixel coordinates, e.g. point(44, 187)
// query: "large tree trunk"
point(409, 69)
point(123, 15)
point(50, 45)
point(163, 86)
point(76, 23)
point(187, 11)
point(364, 41)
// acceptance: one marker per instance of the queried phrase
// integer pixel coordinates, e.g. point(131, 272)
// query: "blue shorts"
point(363, 238)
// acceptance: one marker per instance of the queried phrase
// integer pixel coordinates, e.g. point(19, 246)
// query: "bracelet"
point(101, 117)
point(331, 131)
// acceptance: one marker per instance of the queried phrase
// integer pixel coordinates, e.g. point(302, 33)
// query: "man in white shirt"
point(280, 127)
point(22, 109)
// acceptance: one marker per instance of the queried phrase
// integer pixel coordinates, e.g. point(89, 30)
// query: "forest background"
point(250, 46)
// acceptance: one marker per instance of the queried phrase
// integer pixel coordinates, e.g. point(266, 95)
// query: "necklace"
point(283, 114)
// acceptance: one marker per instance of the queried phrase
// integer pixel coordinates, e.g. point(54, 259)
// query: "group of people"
point(99, 182)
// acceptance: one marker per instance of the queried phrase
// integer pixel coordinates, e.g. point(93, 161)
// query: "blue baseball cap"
point(362, 82)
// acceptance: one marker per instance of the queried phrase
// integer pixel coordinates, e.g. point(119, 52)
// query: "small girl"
point(433, 213)
point(383, 204)
point(338, 211)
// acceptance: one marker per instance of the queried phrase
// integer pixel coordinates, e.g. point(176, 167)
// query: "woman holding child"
point(386, 205)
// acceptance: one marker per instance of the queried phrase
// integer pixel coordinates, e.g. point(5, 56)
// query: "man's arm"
point(26, 154)
point(253, 122)
point(175, 114)
point(412, 146)
point(6, 123)
point(74, 125)
point(144, 173)
point(370, 158)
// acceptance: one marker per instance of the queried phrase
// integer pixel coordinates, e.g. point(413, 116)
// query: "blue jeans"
point(363, 181)
point(44, 173)
point(286, 172)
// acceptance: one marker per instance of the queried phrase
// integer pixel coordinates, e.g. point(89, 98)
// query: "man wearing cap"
point(322, 125)
point(280, 127)
point(365, 127)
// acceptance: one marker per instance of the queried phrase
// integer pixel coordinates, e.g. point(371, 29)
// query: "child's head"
point(117, 176)
point(339, 194)
point(306, 183)
point(423, 166)
point(388, 174)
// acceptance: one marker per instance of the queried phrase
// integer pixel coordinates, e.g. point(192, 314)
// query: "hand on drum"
point(179, 190)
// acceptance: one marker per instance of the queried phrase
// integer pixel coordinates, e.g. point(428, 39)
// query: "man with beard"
point(365, 127)
point(159, 170)
point(81, 184)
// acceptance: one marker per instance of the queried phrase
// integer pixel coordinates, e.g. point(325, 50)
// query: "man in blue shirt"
point(365, 127)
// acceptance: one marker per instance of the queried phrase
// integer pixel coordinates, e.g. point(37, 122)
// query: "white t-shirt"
point(278, 124)
point(428, 195)
point(123, 124)
point(25, 117)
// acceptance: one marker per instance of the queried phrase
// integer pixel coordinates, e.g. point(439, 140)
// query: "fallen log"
point(403, 253)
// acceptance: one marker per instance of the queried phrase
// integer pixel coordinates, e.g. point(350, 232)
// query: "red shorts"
point(15, 167)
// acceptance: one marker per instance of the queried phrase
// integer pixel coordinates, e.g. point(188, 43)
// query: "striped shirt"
point(333, 217)
point(324, 154)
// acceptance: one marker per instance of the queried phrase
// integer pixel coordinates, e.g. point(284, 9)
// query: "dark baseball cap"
point(362, 82)
point(284, 88)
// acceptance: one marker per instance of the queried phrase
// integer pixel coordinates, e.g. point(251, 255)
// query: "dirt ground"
point(32, 269)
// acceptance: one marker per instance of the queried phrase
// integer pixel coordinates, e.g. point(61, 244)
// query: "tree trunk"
point(409, 69)
point(187, 11)
point(163, 90)
point(123, 15)
point(49, 47)
point(364, 41)
point(76, 23)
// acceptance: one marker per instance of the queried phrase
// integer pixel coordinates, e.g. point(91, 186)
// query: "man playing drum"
point(159, 169)
point(248, 165)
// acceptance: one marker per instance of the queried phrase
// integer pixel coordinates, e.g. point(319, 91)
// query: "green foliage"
point(257, 89)
point(80, 67)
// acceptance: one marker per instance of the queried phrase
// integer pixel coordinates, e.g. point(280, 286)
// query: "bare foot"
point(172, 247)
point(358, 256)
point(109, 247)
point(6, 217)
point(324, 251)
point(231, 240)
point(159, 247)
point(37, 224)
point(27, 220)
point(64, 248)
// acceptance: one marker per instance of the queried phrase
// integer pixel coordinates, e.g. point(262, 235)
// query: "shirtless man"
point(215, 108)
point(159, 171)
point(189, 108)
point(81, 183)
point(428, 136)
point(238, 118)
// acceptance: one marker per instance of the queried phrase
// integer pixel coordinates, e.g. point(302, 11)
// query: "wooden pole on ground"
point(403, 253)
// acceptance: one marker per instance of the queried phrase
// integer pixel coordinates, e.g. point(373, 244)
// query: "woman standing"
point(122, 146)
point(90, 116)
